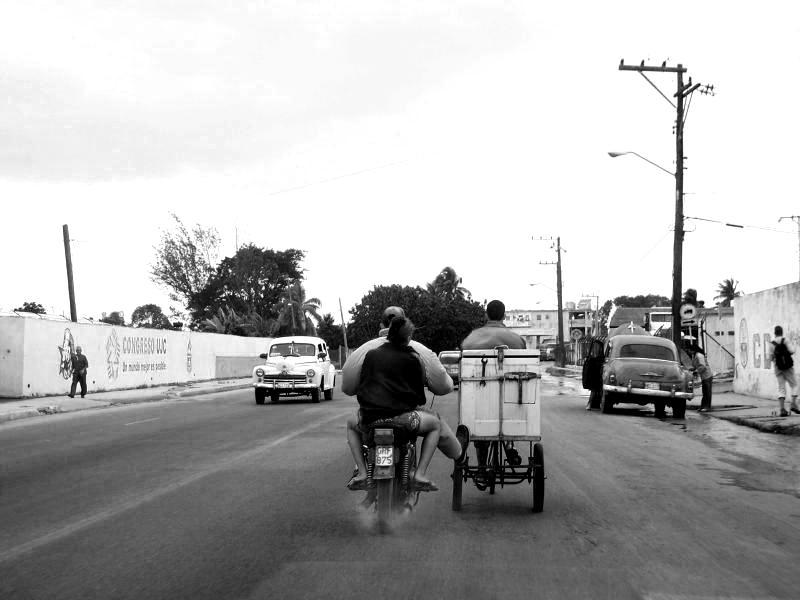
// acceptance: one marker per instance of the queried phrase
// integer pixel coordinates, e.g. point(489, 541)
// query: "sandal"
point(356, 485)
point(424, 486)
point(784, 412)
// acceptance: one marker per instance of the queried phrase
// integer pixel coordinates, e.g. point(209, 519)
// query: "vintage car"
point(295, 366)
point(637, 369)
point(450, 359)
point(547, 350)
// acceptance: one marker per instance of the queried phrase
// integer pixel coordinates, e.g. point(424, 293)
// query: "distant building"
point(539, 326)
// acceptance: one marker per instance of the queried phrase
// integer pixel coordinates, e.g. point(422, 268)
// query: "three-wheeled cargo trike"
point(500, 406)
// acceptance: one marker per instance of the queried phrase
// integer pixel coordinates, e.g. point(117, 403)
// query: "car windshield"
point(646, 351)
point(292, 349)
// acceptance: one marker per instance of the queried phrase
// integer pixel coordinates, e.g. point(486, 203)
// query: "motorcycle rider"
point(386, 371)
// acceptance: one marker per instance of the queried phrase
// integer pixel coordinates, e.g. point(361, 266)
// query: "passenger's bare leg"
point(354, 441)
point(430, 429)
point(448, 442)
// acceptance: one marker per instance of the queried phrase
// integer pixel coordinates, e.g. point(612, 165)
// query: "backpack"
point(782, 357)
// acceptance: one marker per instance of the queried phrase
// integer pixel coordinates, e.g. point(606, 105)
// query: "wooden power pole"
point(73, 311)
point(683, 92)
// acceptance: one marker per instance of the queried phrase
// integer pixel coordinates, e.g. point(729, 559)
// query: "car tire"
point(679, 408)
point(274, 396)
point(261, 395)
point(329, 393)
point(606, 402)
point(315, 395)
point(660, 408)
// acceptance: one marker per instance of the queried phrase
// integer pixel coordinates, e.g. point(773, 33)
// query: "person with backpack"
point(781, 357)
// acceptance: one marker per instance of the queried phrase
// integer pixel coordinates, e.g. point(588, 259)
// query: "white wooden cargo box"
point(498, 394)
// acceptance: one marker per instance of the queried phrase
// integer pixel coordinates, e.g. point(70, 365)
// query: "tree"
point(253, 280)
point(32, 307)
point(150, 316)
point(642, 301)
point(330, 332)
point(298, 314)
point(447, 284)
point(441, 324)
point(114, 318)
point(726, 291)
point(227, 321)
point(185, 259)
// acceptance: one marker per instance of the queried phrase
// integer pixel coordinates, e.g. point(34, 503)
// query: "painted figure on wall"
point(66, 350)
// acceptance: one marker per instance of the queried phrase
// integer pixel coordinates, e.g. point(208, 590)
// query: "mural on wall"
point(66, 349)
point(112, 355)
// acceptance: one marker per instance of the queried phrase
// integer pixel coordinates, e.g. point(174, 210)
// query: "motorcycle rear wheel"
point(384, 502)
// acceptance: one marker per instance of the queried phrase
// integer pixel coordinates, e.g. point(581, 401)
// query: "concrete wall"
point(755, 316)
point(34, 356)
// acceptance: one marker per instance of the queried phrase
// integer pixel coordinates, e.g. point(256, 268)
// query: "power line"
point(738, 226)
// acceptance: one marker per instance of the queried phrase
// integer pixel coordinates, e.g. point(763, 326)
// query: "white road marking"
point(113, 511)
point(142, 421)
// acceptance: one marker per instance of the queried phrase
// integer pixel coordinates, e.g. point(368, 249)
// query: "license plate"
point(651, 385)
point(284, 384)
point(384, 456)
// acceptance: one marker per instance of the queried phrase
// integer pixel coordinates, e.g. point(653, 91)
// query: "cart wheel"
point(458, 486)
point(538, 478)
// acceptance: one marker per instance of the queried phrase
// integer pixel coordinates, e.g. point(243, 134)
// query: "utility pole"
point(73, 311)
point(683, 91)
point(561, 352)
point(344, 329)
point(796, 219)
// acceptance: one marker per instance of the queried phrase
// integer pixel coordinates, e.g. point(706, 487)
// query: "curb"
point(19, 414)
point(165, 395)
point(766, 424)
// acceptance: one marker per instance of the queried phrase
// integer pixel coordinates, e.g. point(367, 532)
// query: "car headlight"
point(612, 378)
point(310, 373)
point(259, 372)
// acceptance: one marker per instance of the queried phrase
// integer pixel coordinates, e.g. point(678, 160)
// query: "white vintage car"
point(295, 366)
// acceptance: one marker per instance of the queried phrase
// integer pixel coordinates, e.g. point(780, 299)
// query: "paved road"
point(220, 498)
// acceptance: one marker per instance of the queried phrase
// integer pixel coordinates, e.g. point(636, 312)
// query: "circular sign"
point(576, 334)
point(688, 312)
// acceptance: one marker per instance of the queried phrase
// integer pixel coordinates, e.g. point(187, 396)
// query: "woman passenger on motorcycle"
point(392, 385)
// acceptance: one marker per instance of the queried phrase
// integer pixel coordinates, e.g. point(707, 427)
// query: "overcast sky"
point(391, 139)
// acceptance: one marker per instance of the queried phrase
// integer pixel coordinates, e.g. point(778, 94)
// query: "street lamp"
point(677, 248)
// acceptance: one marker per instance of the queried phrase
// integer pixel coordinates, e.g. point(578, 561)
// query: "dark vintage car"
point(450, 360)
point(637, 369)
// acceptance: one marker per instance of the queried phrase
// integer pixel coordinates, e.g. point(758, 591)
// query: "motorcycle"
point(391, 457)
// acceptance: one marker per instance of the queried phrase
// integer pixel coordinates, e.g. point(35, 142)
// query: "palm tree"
point(298, 314)
point(727, 291)
point(447, 284)
point(226, 321)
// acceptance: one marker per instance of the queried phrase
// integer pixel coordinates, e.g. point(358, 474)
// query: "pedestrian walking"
point(80, 364)
point(701, 368)
point(781, 357)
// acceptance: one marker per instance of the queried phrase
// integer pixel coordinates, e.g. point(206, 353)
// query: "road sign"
point(688, 314)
